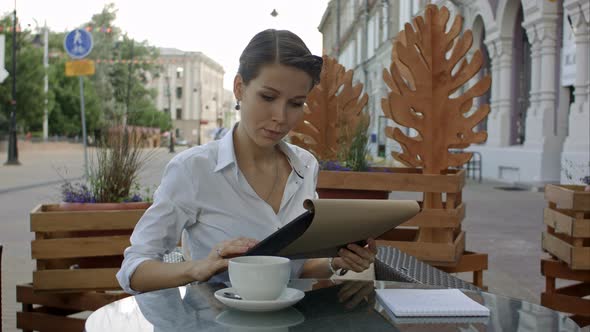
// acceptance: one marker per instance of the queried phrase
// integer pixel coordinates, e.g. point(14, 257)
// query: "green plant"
point(113, 177)
point(119, 158)
point(354, 156)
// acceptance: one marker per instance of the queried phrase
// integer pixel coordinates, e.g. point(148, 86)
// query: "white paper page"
point(430, 303)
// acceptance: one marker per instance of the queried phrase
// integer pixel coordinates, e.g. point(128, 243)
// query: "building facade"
point(190, 88)
point(537, 54)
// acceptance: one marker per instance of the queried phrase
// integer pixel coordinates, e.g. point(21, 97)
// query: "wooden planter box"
point(79, 250)
point(379, 183)
point(568, 197)
point(570, 298)
point(51, 312)
point(568, 225)
point(393, 179)
point(404, 240)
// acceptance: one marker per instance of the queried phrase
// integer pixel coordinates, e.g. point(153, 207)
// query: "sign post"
point(78, 44)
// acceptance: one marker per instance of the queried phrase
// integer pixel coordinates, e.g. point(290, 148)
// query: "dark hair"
point(278, 46)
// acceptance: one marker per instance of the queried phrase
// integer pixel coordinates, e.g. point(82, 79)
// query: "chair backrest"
point(395, 265)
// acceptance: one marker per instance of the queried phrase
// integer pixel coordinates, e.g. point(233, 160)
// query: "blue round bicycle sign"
point(78, 43)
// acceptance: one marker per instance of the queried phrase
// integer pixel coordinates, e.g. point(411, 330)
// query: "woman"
point(230, 193)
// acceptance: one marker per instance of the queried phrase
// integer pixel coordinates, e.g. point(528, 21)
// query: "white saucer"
point(289, 297)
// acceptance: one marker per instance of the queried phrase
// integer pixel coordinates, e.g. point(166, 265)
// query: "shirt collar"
point(225, 151)
point(226, 154)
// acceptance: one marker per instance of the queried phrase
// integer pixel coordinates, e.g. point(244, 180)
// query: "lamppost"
point(129, 72)
point(12, 144)
point(45, 45)
point(171, 136)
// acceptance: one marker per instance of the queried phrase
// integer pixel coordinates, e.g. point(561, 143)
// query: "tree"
point(116, 88)
point(121, 85)
point(29, 83)
point(64, 115)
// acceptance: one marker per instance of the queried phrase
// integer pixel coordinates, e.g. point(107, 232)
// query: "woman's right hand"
point(218, 258)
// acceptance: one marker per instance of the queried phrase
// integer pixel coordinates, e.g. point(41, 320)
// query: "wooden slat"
point(578, 258)
point(557, 269)
point(72, 280)
point(549, 284)
point(433, 252)
point(40, 264)
point(564, 222)
point(568, 197)
point(400, 233)
point(85, 301)
point(351, 194)
point(580, 290)
point(36, 321)
point(451, 201)
point(468, 262)
point(82, 262)
point(84, 220)
point(382, 181)
point(443, 218)
point(566, 303)
point(79, 247)
point(582, 321)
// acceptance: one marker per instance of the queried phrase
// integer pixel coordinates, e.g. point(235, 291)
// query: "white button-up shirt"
point(204, 193)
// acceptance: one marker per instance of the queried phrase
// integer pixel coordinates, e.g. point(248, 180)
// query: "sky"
point(218, 28)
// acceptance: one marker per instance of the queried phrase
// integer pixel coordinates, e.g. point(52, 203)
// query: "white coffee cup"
point(259, 278)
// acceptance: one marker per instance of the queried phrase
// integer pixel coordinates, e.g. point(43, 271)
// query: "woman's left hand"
point(356, 258)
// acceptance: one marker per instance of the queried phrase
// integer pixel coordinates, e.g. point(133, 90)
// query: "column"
point(577, 145)
point(500, 51)
point(540, 118)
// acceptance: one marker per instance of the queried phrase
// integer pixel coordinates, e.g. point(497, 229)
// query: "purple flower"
point(134, 198)
point(77, 193)
point(331, 165)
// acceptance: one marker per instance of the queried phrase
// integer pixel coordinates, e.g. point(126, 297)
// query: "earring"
point(237, 105)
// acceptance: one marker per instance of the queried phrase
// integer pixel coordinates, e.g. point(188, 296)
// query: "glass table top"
point(327, 306)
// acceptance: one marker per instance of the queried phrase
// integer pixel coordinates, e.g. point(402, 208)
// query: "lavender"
point(330, 165)
point(79, 192)
point(135, 198)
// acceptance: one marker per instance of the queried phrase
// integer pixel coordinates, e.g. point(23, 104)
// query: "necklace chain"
point(272, 189)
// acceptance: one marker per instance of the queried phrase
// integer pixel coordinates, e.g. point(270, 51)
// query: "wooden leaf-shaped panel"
point(429, 65)
point(332, 113)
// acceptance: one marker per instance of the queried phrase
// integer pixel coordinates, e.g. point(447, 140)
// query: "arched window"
point(521, 75)
point(479, 34)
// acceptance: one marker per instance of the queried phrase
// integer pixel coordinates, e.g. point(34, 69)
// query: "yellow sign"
point(80, 68)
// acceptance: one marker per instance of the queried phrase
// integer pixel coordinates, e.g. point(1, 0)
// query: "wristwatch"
point(339, 272)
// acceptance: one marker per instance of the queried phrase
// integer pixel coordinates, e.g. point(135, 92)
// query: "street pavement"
point(506, 225)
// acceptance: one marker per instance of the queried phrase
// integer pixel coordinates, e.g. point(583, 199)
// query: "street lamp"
point(45, 45)
point(12, 144)
point(170, 137)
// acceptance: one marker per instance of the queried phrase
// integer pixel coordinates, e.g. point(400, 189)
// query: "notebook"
point(430, 303)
